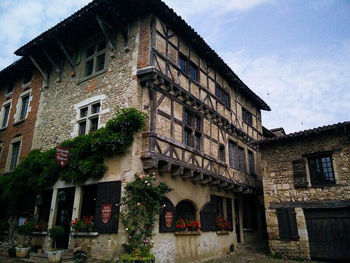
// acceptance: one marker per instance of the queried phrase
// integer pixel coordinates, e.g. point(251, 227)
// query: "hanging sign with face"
point(62, 156)
point(106, 213)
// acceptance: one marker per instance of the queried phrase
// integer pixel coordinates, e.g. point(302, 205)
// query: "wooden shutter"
point(287, 225)
point(208, 217)
point(108, 194)
point(229, 211)
point(299, 173)
point(170, 208)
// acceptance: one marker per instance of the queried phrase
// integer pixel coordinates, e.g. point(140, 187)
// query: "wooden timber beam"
point(215, 182)
point(41, 70)
point(178, 171)
point(58, 68)
point(164, 167)
point(188, 173)
point(103, 24)
point(149, 163)
point(207, 180)
point(223, 185)
point(230, 187)
point(65, 52)
point(198, 177)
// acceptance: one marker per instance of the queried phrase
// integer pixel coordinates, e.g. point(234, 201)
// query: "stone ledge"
point(222, 232)
point(187, 233)
point(85, 234)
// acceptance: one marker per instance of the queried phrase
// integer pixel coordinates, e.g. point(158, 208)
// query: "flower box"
point(186, 233)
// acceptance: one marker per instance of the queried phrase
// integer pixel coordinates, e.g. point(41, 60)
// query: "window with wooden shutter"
point(229, 212)
point(299, 173)
point(287, 224)
point(167, 219)
point(107, 207)
point(321, 170)
point(208, 217)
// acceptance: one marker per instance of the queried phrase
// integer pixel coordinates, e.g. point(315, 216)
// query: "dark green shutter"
point(287, 225)
point(299, 173)
point(208, 217)
point(229, 212)
point(293, 224)
point(108, 193)
point(169, 207)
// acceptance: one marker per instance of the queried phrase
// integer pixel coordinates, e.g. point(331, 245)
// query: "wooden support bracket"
point(41, 70)
point(65, 52)
point(164, 168)
point(177, 171)
point(198, 177)
point(103, 24)
point(187, 174)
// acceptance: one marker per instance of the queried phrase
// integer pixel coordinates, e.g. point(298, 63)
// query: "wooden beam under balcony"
point(188, 173)
point(215, 182)
point(177, 171)
point(198, 177)
point(164, 167)
point(150, 163)
point(207, 180)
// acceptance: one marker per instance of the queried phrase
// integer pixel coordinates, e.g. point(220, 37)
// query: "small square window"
point(321, 170)
point(82, 128)
point(100, 62)
point(89, 67)
point(93, 124)
point(95, 108)
point(83, 112)
point(15, 155)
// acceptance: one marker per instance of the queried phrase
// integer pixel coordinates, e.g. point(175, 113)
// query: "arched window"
point(186, 211)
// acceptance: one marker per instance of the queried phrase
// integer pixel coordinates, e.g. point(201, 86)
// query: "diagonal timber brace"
point(103, 24)
point(41, 70)
point(65, 52)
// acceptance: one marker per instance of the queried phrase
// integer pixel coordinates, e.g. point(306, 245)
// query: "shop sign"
point(62, 156)
point(106, 213)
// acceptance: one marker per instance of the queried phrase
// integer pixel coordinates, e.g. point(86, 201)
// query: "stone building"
point(199, 138)
point(306, 181)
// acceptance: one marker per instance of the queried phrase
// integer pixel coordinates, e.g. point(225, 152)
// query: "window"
point(5, 113)
point(95, 58)
point(188, 67)
point(321, 170)
point(247, 116)
point(220, 206)
point(89, 201)
point(24, 107)
point(233, 155)
point(287, 224)
point(222, 152)
point(89, 118)
point(192, 130)
point(222, 96)
point(251, 163)
point(241, 160)
point(14, 155)
point(9, 89)
point(186, 211)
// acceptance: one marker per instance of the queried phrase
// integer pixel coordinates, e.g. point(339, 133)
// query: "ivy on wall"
point(39, 170)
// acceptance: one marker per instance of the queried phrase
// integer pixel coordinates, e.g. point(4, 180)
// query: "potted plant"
point(56, 233)
point(83, 225)
point(25, 230)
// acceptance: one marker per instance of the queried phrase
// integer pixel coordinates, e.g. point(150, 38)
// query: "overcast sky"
point(294, 54)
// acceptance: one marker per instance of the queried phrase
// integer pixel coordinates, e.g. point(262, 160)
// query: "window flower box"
point(222, 232)
point(187, 233)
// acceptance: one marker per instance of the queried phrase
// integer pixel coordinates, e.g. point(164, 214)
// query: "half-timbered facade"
point(199, 137)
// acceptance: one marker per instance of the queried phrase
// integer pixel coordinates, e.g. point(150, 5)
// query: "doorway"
point(65, 200)
point(237, 223)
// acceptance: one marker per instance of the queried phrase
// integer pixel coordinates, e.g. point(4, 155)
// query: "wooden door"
point(329, 233)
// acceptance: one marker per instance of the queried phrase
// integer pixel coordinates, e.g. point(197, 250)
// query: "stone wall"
point(278, 184)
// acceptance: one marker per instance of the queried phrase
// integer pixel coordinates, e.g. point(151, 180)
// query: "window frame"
point(188, 63)
point(189, 205)
point(19, 106)
point(251, 162)
point(233, 155)
point(2, 114)
point(87, 119)
point(191, 131)
point(321, 176)
point(222, 152)
point(10, 154)
point(247, 116)
point(219, 94)
point(242, 163)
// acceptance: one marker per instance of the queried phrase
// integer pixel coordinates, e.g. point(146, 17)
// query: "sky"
point(295, 54)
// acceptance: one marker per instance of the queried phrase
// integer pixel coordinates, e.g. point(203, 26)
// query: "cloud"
point(302, 92)
point(21, 21)
point(187, 8)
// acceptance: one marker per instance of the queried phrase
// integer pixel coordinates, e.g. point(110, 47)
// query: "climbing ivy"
point(142, 201)
point(39, 170)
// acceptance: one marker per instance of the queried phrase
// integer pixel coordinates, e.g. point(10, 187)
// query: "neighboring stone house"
point(306, 181)
point(199, 139)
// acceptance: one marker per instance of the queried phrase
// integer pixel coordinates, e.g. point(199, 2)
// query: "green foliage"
point(27, 228)
point(56, 233)
point(126, 258)
point(143, 201)
point(39, 170)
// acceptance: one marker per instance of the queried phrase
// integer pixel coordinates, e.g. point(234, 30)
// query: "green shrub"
point(56, 233)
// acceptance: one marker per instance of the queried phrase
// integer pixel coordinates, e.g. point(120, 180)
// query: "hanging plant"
point(39, 170)
point(141, 202)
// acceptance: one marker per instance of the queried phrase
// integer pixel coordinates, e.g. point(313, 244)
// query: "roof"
point(316, 131)
point(141, 7)
point(15, 69)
